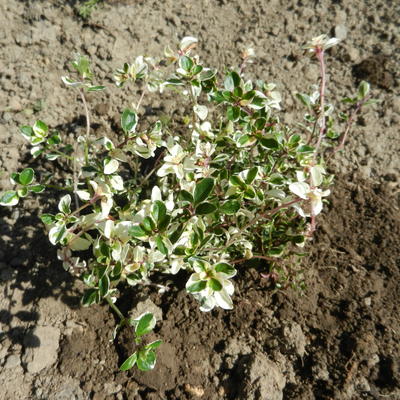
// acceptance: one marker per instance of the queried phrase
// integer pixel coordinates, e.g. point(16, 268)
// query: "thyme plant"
point(227, 184)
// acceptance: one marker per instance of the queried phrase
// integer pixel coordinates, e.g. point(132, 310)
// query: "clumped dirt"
point(338, 339)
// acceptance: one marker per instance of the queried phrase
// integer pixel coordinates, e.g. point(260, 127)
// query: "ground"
point(338, 339)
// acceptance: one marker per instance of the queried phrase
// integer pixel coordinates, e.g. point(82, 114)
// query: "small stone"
point(354, 54)
point(196, 391)
point(41, 348)
point(12, 361)
point(295, 337)
point(363, 385)
point(15, 104)
point(264, 379)
point(373, 360)
point(340, 32)
point(111, 388)
point(367, 301)
point(147, 306)
point(396, 104)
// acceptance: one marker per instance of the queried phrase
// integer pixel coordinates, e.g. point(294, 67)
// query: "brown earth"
point(338, 339)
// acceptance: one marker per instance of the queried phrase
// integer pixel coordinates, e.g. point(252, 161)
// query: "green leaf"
point(54, 139)
point(363, 89)
point(197, 287)
point(148, 224)
point(95, 88)
point(37, 188)
point(146, 360)
point(26, 132)
point(205, 208)
point(206, 75)
point(229, 84)
point(174, 236)
point(47, 219)
point(186, 196)
point(153, 345)
point(275, 251)
point(305, 149)
point(14, 178)
point(159, 211)
point(231, 81)
point(129, 120)
point(233, 113)
point(237, 181)
point(161, 246)
point(269, 143)
point(230, 207)
point(90, 297)
point(9, 198)
point(238, 92)
point(304, 98)
point(164, 222)
point(22, 192)
point(244, 139)
point(129, 362)
point(65, 204)
point(226, 269)
point(57, 233)
point(40, 128)
point(186, 63)
point(197, 69)
point(249, 95)
point(260, 124)
point(203, 190)
point(104, 285)
point(251, 175)
point(26, 176)
point(137, 231)
point(145, 324)
point(214, 284)
point(294, 140)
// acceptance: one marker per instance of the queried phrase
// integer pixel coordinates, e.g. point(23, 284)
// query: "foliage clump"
point(233, 183)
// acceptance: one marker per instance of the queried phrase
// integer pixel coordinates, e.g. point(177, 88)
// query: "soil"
point(338, 339)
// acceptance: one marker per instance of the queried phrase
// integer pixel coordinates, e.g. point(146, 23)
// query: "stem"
point(254, 256)
point(271, 212)
point(75, 176)
point(320, 56)
point(59, 188)
point(146, 178)
point(87, 124)
point(91, 201)
point(257, 218)
point(350, 121)
point(140, 100)
point(115, 308)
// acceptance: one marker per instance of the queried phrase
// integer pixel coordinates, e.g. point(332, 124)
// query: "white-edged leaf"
point(57, 233)
point(69, 82)
point(187, 42)
point(78, 243)
point(65, 204)
point(201, 111)
point(9, 198)
point(83, 195)
point(110, 166)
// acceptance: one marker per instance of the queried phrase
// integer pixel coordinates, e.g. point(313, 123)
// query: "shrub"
point(227, 184)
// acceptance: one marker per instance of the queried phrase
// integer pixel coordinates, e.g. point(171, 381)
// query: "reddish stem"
point(320, 55)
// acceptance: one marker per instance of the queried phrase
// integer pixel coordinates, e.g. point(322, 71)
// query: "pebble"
point(354, 54)
point(341, 32)
point(41, 348)
point(196, 391)
point(147, 306)
point(12, 361)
